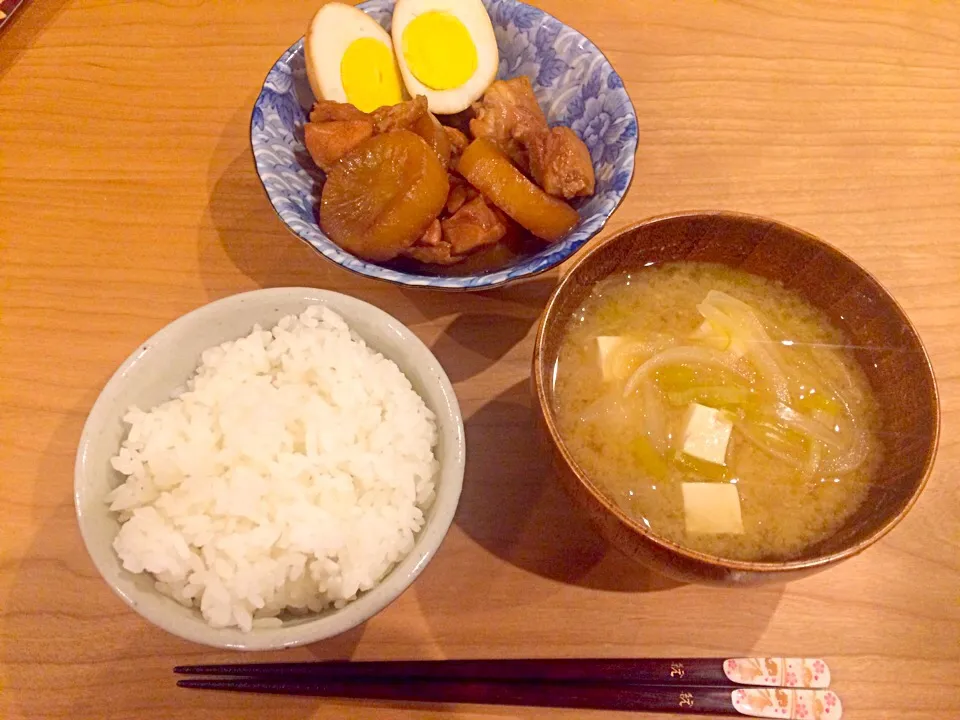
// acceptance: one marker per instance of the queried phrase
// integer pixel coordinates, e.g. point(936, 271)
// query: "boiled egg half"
point(350, 59)
point(446, 50)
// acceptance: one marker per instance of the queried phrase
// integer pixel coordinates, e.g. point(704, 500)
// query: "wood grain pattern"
point(127, 197)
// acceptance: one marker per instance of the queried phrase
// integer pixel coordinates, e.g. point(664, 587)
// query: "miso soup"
point(717, 408)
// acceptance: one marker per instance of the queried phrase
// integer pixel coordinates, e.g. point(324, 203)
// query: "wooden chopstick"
point(754, 702)
point(678, 672)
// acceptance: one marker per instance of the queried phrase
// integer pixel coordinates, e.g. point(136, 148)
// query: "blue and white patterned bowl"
point(574, 82)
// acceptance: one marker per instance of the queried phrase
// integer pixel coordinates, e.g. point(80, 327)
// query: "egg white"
point(333, 29)
point(475, 19)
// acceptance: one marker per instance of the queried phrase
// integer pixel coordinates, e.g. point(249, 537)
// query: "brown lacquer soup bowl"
point(886, 344)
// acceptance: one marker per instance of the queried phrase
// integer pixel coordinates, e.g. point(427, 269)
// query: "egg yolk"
point(439, 50)
point(369, 75)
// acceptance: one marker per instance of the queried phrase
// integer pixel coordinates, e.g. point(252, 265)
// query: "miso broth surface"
point(783, 512)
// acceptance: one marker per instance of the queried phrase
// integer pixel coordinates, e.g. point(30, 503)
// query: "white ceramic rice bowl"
point(163, 363)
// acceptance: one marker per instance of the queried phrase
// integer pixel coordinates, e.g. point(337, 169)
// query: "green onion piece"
point(715, 396)
point(701, 468)
point(648, 458)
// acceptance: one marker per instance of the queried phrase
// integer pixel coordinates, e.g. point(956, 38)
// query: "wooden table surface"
point(128, 198)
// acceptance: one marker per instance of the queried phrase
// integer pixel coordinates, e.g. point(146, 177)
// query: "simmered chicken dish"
point(402, 186)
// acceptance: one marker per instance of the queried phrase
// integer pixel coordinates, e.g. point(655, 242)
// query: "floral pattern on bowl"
point(574, 82)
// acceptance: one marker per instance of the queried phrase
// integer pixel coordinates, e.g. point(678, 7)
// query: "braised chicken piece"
point(413, 115)
point(336, 128)
point(460, 192)
point(433, 235)
point(433, 254)
point(329, 141)
point(326, 110)
point(401, 116)
point(457, 195)
point(508, 111)
point(431, 249)
point(509, 117)
point(560, 162)
point(439, 255)
point(473, 226)
point(458, 143)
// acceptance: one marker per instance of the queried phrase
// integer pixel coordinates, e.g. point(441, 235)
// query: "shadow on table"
point(514, 508)
point(243, 234)
point(69, 647)
point(241, 231)
point(585, 596)
point(486, 326)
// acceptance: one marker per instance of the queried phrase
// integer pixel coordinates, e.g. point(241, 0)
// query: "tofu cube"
point(712, 508)
point(707, 434)
point(606, 347)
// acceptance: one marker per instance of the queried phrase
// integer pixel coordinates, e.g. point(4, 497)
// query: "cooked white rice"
point(290, 475)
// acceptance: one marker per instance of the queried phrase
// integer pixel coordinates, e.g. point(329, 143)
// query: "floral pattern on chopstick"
point(778, 672)
point(785, 704)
